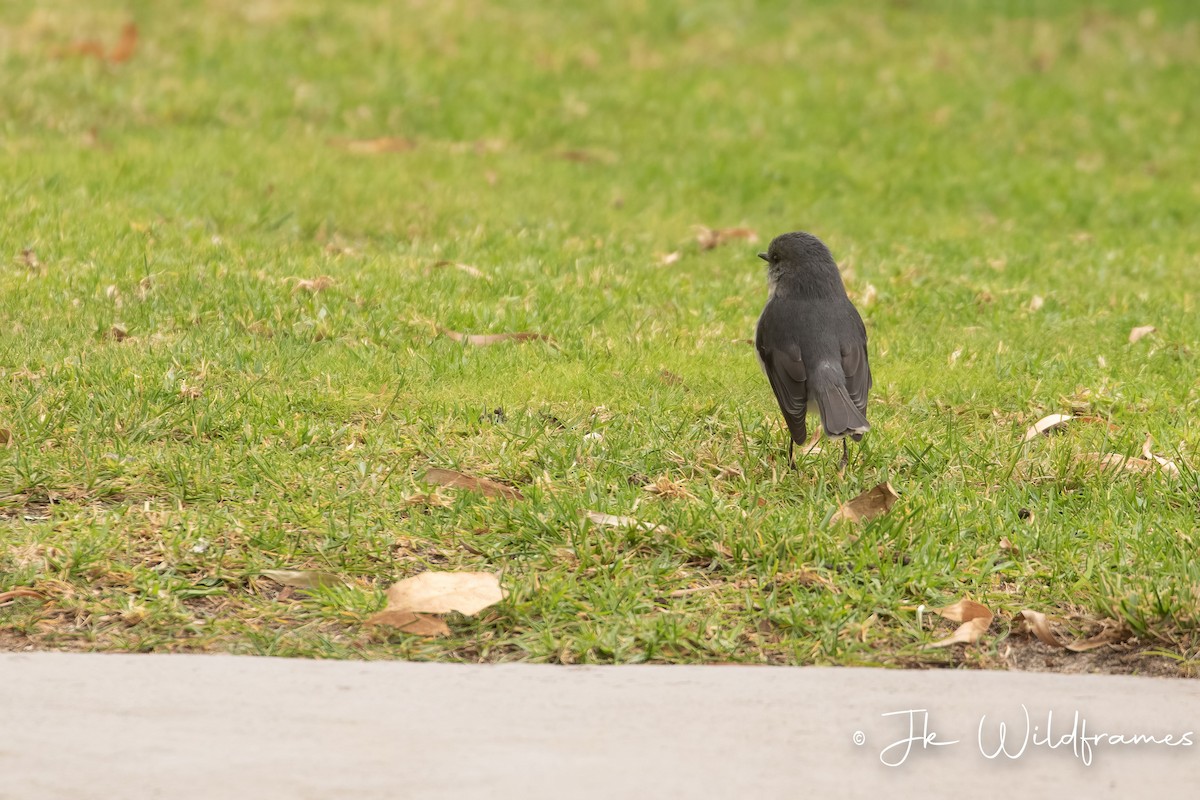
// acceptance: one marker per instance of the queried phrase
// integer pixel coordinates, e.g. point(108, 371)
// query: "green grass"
point(958, 157)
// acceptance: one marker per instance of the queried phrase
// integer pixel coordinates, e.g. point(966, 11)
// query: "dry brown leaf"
point(1097, 421)
point(1007, 545)
point(411, 622)
point(382, 144)
point(976, 618)
point(9, 596)
point(708, 238)
point(118, 333)
point(124, 48)
point(614, 521)
point(314, 285)
point(1140, 332)
point(482, 339)
point(5, 436)
point(665, 487)
point(1046, 424)
point(442, 592)
point(807, 577)
point(29, 258)
point(587, 156)
point(870, 504)
point(1167, 464)
point(302, 579)
point(433, 500)
point(1112, 632)
point(86, 47)
point(459, 480)
point(1116, 460)
point(1039, 623)
point(474, 272)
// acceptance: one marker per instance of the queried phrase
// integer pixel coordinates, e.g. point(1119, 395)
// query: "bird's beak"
point(763, 256)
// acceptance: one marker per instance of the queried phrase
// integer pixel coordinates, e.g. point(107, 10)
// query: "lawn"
point(233, 245)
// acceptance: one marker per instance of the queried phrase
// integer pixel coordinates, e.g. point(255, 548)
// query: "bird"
point(811, 342)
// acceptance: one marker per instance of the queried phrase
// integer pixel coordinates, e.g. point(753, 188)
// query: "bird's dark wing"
point(858, 373)
point(789, 382)
point(855, 365)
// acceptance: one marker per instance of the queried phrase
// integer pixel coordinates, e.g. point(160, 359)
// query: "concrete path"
point(178, 726)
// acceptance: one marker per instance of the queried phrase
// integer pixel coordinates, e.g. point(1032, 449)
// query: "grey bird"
point(812, 343)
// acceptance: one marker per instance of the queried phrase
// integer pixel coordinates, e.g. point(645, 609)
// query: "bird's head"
point(796, 250)
point(802, 260)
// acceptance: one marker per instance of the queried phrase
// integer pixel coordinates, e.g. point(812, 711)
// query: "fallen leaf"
point(813, 446)
point(314, 285)
point(1036, 302)
point(9, 596)
point(411, 622)
point(87, 47)
point(976, 618)
point(442, 592)
point(1167, 464)
point(1116, 460)
point(382, 144)
point(1111, 632)
point(459, 480)
point(587, 156)
point(1139, 332)
point(669, 258)
point(484, 339)
point(474, 272)
point(1039, 623)
point(868, 505)
point(1047, 424)
point(665, 487)
point(1006, 544)
point(29, 258)
point(433, 500)
point(5, 436)
point(118, 333)
point(1098, 421)
point(806, 577)
point(123, 50)
point(614, 521)
point(302, 579)
point(708, 238)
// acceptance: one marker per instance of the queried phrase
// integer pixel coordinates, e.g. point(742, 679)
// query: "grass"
point(958, 157)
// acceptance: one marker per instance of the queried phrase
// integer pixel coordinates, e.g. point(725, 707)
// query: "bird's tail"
point(839, 415)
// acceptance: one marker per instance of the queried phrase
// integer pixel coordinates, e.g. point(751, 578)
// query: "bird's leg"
point(791, 446)
point(845, 455)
